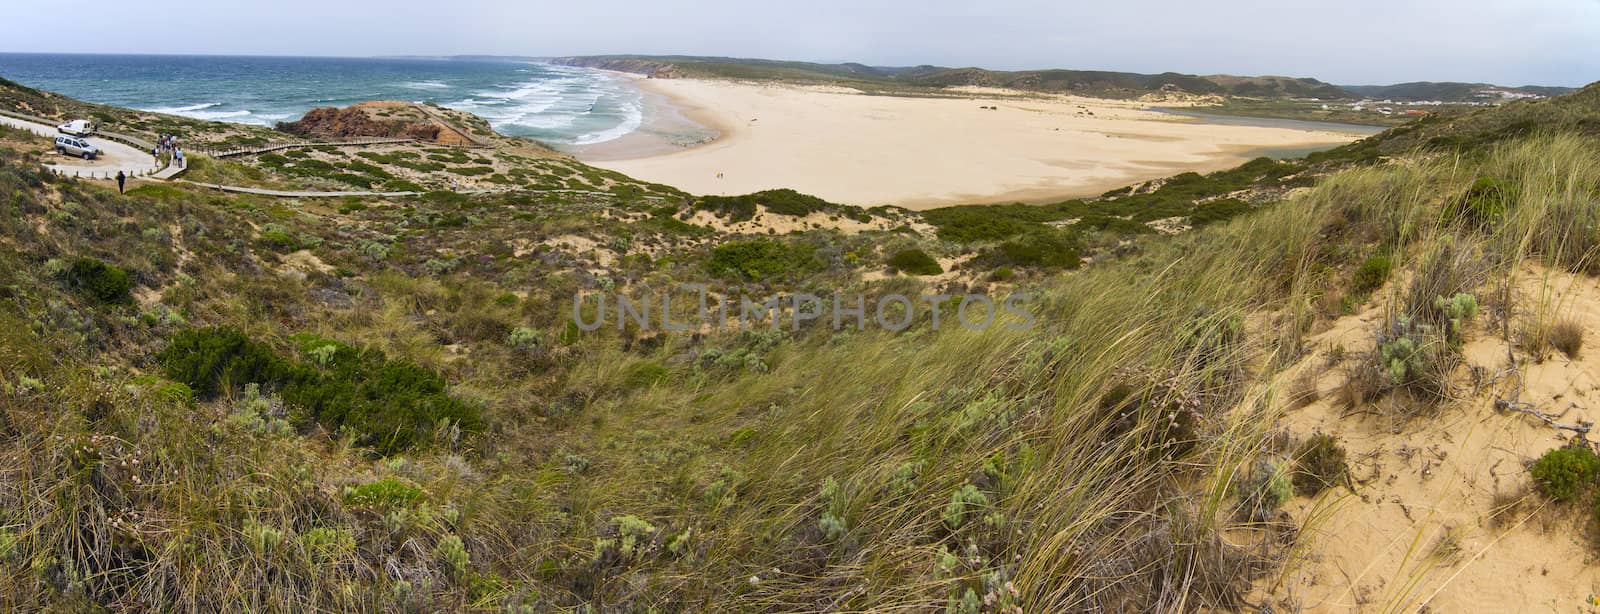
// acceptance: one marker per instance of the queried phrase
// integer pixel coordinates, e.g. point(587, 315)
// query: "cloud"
point(1351, 41)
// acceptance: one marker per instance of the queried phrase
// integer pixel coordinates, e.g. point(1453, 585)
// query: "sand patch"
point(927, 152)
point(1421, 527)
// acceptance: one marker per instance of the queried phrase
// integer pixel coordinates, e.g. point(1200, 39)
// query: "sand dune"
point(926, 152)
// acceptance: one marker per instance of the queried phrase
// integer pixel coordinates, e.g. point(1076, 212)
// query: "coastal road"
point(113, 157)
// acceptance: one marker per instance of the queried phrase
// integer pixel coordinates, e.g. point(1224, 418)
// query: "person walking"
point(122, 182)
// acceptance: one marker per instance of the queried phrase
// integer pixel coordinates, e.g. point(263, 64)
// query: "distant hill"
point(1453, 92)
point(1099, 83)
point(1126, 85)
point(1086, 82)
point(1577, 112)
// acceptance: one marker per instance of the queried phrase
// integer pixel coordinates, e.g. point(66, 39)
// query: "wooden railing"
point(254, 151)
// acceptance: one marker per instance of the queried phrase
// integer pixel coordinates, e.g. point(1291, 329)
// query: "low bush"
point(384, 494)
point(1370, 275)
point(779, 202)
point(278, 240)
point(1112, 224)
point(1486, 202)
point(914, 262)
point(212, 360)
point(1410, 356)
point(388, 404)
point(100, 281)
point(1456, 311)
point(1319, 464)
point(1217, 211)
point(1564, 473)
point(1045, 248)
point(965, 502)
point(1567, 336)
point(759, 259)
point(1265, 490)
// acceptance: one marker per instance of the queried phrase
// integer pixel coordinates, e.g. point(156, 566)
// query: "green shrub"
point(216, 359)
point(384, 494)
point(645, 373)
point(1319, 464)
point(1563, 473)
point(523, 339)
point(633, 536)
point(778, 202)
point(972, 224)
point(1457, 310)
point(1267, 489)
point(453, 553)
point(1370, 275)
point(8, 546)
point(1110, 223)
point(759, 259)
point(963, 503)
point(279, 241)
point(327, 544)
point(1486, 202)
point(915, 262)
point(1403, 359)
point(100, 281)
point(1217, 211)
point(389, 404)
point(1046, 248)
point(402, 185)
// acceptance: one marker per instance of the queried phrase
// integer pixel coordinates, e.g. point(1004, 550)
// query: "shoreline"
point(670, 125)
point(986, 147)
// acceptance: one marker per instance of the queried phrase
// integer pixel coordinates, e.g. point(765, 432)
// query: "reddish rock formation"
point(356, 121)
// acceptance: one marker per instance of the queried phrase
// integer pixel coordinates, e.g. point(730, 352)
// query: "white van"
point(77, 127)
point(76, 146)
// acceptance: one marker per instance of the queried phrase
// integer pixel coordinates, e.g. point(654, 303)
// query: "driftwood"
point(1581, 428)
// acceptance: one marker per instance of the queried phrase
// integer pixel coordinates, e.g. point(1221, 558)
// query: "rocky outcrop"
point(357, 121)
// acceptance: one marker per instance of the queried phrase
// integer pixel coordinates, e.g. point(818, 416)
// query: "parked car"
point(77, 127)
point(76, 146)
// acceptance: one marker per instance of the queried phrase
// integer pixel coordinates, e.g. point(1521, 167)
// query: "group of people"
point(168, 143)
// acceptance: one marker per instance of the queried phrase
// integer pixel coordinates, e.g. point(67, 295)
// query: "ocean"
point(563, 106)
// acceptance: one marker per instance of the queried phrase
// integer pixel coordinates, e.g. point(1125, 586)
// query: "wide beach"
point(924, 152)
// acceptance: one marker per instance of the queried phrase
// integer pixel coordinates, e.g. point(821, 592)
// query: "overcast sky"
point(1544, 42)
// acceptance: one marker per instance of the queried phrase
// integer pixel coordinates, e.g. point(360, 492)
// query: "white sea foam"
point(182, 110)
point(631, 122)
point(216, 115)
point(425, 85)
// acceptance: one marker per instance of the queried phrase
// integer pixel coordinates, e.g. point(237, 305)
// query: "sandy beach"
point(922, 153)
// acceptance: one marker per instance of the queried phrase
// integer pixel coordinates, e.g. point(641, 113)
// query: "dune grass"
point(1091, 462)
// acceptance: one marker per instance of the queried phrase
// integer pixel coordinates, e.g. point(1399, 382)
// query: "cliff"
point(362, 120)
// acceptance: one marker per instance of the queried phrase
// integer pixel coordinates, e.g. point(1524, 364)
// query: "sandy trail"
point(925, 152)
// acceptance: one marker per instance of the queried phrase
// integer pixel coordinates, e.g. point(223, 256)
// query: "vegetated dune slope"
point(223, 403)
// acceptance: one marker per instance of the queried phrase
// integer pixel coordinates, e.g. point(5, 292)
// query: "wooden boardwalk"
point(303, 194)
point(256, 151)
point(297, 194)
